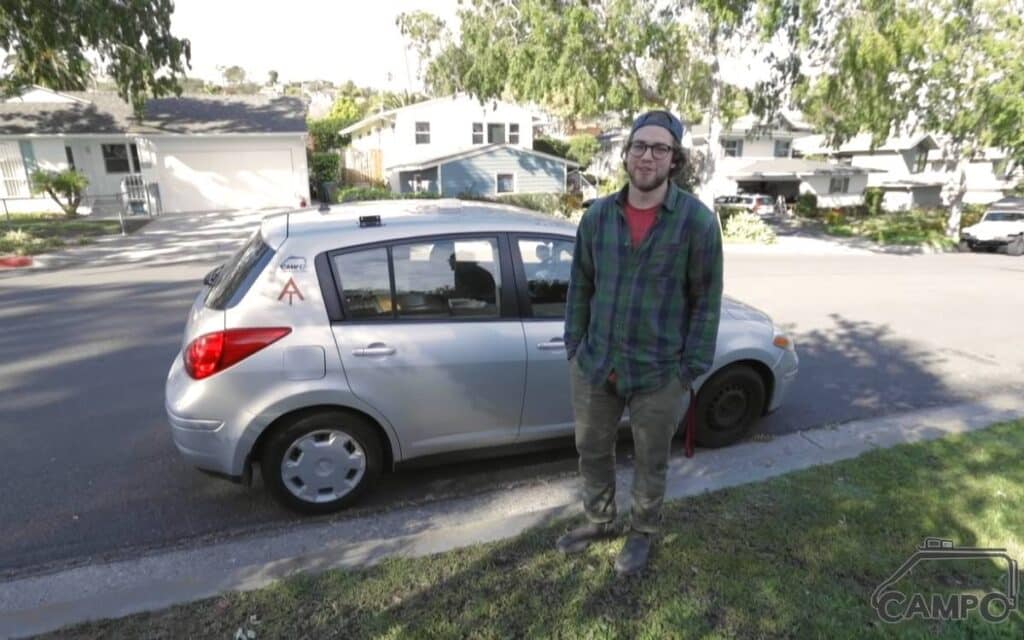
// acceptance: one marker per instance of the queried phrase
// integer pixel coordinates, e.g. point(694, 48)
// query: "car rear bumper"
point(204, 441)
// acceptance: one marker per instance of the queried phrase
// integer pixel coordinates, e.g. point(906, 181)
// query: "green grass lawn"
point(796, 557)
point(913, 228)
point(30, 234)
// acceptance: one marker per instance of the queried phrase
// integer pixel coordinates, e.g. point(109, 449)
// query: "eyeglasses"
point(637, 149)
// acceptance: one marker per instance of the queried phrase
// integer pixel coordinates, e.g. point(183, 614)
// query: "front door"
point(430, 342)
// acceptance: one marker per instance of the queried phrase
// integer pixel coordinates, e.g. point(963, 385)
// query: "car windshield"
point(1004, 216)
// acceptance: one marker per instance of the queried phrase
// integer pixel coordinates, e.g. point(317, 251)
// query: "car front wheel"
point(728, 405)
point(321, 463)
point(1016, 246)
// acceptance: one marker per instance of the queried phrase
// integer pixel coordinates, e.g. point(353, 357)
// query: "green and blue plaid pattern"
point(651, 312)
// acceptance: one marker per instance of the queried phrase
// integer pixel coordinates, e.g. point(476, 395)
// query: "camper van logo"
point(893, 605)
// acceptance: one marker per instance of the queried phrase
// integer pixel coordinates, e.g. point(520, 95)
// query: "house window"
point(478, 133)
point(120, 158)
point(13, 176)
point(732, 148)
point(921, 161)
point(839, 184)
point(422, 133)
point(513, 133)
point(496, 134)
point(506, 183)
point(782, 148)
point(71, 157)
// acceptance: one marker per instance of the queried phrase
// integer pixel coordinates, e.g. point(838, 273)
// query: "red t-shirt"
point(640, 222)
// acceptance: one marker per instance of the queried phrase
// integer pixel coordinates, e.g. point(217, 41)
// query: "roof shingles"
point(106, 113)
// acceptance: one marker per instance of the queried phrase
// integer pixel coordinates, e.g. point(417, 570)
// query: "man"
point(641, 324)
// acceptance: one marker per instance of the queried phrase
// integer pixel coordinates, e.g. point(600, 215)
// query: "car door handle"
point(555, 344)
point(375, 349)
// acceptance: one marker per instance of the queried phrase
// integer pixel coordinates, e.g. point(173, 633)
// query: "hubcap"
point(729, 408)
point(323, 466)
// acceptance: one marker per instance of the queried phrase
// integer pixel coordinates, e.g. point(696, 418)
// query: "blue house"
point(492, 170)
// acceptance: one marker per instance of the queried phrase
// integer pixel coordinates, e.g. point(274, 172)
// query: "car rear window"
point(237, 274)
point(1004, 216)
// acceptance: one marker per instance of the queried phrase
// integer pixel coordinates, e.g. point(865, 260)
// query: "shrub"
point(725, 212)
point(65, 187)
point(971, 214)
point(748, 227)
point(873, 197)
point(807, 205)
point(324, 133)
point(325, 166)
point(356, 194)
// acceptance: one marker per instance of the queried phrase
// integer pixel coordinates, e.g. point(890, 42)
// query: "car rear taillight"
point(214, 352)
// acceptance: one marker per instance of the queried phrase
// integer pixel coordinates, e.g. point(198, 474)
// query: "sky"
point(304, 39)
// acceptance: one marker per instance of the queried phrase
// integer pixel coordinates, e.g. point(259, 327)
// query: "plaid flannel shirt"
point(651, 312)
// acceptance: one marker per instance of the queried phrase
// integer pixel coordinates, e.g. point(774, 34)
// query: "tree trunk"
point(708, 187)
point(956, 189)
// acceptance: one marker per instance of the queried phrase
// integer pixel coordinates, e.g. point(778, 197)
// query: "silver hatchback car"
point(336, 344)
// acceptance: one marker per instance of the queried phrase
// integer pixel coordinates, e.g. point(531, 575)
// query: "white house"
point(988, 174)
point(196, 153)
point(490, 144)
point(899, 167)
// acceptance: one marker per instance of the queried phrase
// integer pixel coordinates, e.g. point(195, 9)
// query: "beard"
point(647, 181)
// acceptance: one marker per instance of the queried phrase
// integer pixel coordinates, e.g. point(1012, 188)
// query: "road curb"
point(39, 604)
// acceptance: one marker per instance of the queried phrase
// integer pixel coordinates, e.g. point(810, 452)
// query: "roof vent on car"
point(369, 221)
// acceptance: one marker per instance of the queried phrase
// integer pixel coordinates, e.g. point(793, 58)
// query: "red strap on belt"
point(691, 425)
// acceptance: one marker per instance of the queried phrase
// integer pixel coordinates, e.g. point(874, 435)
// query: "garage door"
point(211, 180)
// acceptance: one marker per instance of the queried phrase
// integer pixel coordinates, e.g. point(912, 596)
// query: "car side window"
point(365, 284)
point(547, 263)
point(446, 278)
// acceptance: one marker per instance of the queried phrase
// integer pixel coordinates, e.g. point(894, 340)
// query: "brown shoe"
point(580, 538)
point(634, 554)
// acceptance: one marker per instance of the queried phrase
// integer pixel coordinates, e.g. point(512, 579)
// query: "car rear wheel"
point(728, 405)
point(963, 246)
point(321, 463)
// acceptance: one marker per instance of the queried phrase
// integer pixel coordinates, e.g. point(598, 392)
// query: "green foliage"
point(272, 77)
point(551, 146)
point(747, 227)
point(355, 194)
point(346, 110)
point(325, 166)
point(873, 198)
point(727, 212)
point(972, 214)
point(325, 133)
point(916, 227)
point(561, 204)
point(807, 205)
point(583, 148)
point(233, 74)
point(66, 188)
point(49, 45)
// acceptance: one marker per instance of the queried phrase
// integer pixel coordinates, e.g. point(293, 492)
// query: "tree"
point(953, 68)
point(50, 42)
point(272, 78)
point(581, 60)
point(583, 148)
point(66, 188)
point(346, 110)
point(233, 74)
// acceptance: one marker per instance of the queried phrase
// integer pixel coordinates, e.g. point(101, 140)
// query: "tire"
point(349, 463)
point(964, 247)
point(728, 405)
point(1015, 247)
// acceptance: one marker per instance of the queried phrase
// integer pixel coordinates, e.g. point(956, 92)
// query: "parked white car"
point(1001, 228)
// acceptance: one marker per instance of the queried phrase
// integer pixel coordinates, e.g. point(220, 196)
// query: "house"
point(833, 185)
point(196, 153)
point(899, 167)
point(451, 146)
point(989, 173)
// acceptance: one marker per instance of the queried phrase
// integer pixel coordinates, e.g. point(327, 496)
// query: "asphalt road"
point(90, 471)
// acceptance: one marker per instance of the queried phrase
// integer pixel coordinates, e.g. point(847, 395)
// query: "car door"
point(431, 339)
point(543, 264)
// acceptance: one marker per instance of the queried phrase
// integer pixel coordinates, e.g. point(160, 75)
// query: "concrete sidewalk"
point(43, 603)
